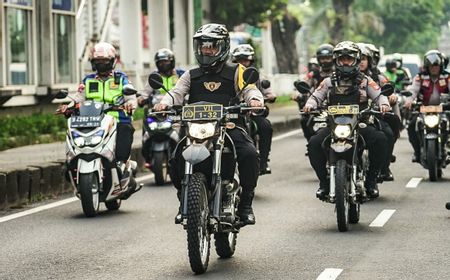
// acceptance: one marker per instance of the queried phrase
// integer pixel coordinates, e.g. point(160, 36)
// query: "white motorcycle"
point(90, 152)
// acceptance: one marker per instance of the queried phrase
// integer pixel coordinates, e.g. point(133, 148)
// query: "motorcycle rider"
point(347, 85)
point(428, 85)
point(107, 86)
point(165, 64)
point(217, 81)
point(324, 55)
point(391, 129)
point(396, 73)
point(245, 54)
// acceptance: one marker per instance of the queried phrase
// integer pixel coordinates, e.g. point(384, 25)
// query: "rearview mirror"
point(251, 75)
point(155, 81)
point(387, 89)
point(302, 87)
point(62, 94)
point(128, 90)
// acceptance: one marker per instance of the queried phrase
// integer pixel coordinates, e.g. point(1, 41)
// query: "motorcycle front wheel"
point(88, 188)
point(198, 235)
point(160, 168)
point(432, 162)
point(342, 203)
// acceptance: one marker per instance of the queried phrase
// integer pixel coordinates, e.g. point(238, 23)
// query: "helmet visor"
point(209, 47)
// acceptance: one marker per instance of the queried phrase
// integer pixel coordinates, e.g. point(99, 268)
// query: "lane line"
point(73, 199)
point(57, 203)
point(414, 182)
point(330, 274)
point(382, 218)
point(286, 135)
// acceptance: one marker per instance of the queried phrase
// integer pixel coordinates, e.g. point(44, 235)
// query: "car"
point(412, 62)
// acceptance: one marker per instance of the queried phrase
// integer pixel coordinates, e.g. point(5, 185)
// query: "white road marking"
point(57, 204)
point(382, 218)
point(329, 274)
point(414, 182)
point(286, 135)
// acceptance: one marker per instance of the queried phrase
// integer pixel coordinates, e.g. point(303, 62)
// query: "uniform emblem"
point(113, 85)
point(426, 83)
point(212, 86)
point(442, 82)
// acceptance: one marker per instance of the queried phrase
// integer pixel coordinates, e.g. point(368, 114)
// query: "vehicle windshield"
point(91, 108)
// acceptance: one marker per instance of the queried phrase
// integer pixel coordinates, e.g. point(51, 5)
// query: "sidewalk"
point(37, 154)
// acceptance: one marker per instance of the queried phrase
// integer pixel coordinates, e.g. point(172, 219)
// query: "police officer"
point(107, 86)
point(165, 64)
point(428, 85)
point(245, 54)
point(211, 49)
point(347, 85)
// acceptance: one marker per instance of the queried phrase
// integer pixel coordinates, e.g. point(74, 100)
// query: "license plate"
point(85, 121)
point(202, 112)
point(343, 110)
point(431, 109)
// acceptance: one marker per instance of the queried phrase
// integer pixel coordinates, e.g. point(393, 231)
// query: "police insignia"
point(442, 82)
point(212, 86)
point(426, 83)
point(113, 85)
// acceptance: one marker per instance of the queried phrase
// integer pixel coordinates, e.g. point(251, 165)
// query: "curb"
point(37, 182)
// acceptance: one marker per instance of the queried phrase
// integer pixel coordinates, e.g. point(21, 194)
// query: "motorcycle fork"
point(217, 180)
point(188, 170)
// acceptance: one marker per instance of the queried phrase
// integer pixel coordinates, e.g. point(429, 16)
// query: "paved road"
point(295, 236)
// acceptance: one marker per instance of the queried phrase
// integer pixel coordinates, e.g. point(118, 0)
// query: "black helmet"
point(347, 49)
point(390, 64)
point(375, 54)
point(162, 55)
point(214, 36)
point(244, 51)
point(433, 57)
point(325, 51)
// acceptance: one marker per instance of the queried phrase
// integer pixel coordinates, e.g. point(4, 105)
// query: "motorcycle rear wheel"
point(88, 188)
point(198, 235)
point(225, 244)
point(342, 203)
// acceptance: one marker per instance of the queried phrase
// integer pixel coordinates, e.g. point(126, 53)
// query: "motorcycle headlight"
point(431, 120)
point(153, 125)
point(79, 141)
point(202, 130)
point(166, 125)
point(342, 131)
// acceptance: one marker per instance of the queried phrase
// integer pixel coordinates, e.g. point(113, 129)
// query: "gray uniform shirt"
point(367, 89)
point(183, 85)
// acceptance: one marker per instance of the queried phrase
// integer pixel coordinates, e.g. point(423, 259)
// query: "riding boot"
point(371, 184)
point(178, 217)
point(245, 210)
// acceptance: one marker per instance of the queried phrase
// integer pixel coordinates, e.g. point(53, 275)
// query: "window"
point(64, 44)
point(19, 67)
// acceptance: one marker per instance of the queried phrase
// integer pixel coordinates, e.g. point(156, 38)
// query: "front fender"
point(85, 167)
point(196, 153)
point(431, 136)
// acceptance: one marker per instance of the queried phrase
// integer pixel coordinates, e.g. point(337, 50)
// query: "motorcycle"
point(91, 165)
point(348, 160)
point(210, 189)
point(160, 136)
point(432, 128)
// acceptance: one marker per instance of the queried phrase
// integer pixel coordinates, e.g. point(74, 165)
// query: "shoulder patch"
point(374, 85)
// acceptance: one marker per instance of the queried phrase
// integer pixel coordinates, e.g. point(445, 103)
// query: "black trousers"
point(247, 159)
point(391, 139)
point(265, 138)
point(375, 141)
point(124, 141)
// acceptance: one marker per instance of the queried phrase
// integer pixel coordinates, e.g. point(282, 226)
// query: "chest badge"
point(212, 86)
point(425, 83)
point(113, 85)
point(442, 82)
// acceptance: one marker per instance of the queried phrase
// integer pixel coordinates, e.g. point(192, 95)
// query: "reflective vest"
point(107, 92)
point(427, 86)
point(168, 82)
